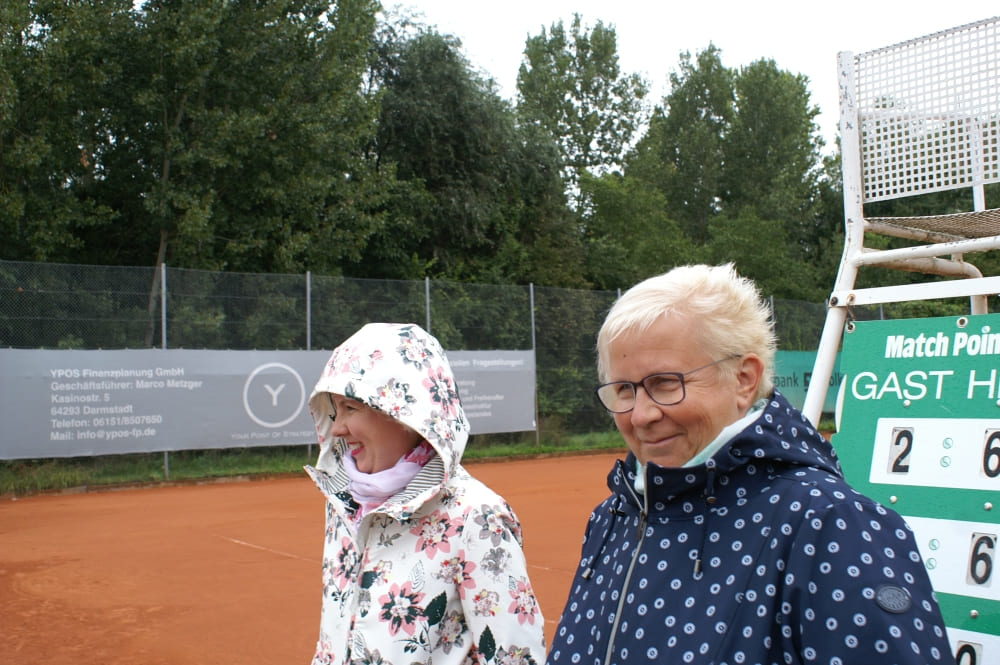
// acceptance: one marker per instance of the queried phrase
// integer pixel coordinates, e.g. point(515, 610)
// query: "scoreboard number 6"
point(991, 453)
point(968, 653)
point(981, 555)
point(901, 446)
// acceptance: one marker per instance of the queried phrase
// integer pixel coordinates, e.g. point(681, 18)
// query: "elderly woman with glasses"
point(730, 535)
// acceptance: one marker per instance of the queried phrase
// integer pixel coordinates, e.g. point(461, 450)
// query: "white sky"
point(800, 36)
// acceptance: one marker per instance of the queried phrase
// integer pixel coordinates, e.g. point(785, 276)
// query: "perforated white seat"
point(918, 117)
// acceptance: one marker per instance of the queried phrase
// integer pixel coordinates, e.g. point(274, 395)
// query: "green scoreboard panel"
point(919, 414)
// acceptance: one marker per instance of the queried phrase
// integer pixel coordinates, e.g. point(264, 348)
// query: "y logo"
point(262, 395)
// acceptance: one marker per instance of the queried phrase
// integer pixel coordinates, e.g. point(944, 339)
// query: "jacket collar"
point(780, 438)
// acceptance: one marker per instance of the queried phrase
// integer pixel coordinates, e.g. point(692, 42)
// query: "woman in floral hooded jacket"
point(422, 563)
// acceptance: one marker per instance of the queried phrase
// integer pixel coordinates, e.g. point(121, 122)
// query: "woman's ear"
point(749, 372)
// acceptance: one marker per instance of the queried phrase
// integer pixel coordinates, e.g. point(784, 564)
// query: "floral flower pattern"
point(369, 658)
point(524, 605)
point(451, 632)
point(496, 562)
point(458, 571)
point(442, 391)
point(413, 351)
point(435, 574)
point(434, 533)
point(492, 525)
point(393, 398)
point(401, 608)
point(515, 656)
point(486, 603)
point(345, 564)
point(422, 454)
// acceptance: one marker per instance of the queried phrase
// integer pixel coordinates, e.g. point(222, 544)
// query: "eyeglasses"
point(664, 388)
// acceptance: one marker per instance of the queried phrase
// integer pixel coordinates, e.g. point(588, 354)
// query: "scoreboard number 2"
point(901, 446)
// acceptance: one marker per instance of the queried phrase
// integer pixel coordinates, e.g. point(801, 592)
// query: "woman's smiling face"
point(715, 396)
point(375, 440)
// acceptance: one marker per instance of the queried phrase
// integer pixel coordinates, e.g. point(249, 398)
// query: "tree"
point(548, 248)
point(682, 153)
point(771, 149)
point(254, 149)
point(53, 69)
point(571, 85)
point(736, 154)
point(475, 188)
point(758, 248)
point(629, 235)
point(208, 134)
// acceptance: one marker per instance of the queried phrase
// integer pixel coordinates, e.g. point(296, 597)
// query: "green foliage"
point(798, 324)
point(24, 477)
point(209, 134)
point(50, 127)
point(570, 84)
point(629, 234)
point(759, 250)
point(71, 306)
point(443, 127)
point(566, 356)
point(348, 303)
point(683, 152)
point(331, 138)
point(235, 310)
point(733, 159)
point(477, 197)
point(480, 316)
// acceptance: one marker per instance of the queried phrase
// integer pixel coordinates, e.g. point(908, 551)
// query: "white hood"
point(400, 370)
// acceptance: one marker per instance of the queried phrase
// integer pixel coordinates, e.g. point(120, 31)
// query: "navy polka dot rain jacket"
point(763, 555)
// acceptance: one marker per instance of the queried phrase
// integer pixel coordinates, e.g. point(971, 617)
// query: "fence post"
point(163, 337)
point(309, 446)
point(534, 351)
point(163, 305)
point(427, 301)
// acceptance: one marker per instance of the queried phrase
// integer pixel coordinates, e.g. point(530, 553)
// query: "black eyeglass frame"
point(635, 386)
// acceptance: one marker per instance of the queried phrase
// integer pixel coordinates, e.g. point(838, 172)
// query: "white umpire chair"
point(918, 117)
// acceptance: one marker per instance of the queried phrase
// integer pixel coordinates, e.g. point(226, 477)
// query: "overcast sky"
point(800, 37)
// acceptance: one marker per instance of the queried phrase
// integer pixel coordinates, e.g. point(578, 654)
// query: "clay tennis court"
point(226, 572)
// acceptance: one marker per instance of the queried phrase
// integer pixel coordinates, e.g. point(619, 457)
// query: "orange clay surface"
point(227, 572)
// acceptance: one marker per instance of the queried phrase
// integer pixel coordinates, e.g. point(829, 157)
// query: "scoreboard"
point(918, 416)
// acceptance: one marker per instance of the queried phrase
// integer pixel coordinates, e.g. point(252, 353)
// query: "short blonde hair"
point(727, 309)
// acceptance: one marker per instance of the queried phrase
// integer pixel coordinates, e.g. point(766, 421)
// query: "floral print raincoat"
point(435, 574)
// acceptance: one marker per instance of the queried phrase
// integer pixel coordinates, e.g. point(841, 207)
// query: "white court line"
point(266, 549)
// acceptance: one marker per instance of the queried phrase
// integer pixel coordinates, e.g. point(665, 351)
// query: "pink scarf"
point(371, 490)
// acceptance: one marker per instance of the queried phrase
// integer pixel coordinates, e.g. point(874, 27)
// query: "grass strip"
point(24, 477)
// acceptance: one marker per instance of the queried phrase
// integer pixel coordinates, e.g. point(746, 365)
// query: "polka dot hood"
point(762, 555)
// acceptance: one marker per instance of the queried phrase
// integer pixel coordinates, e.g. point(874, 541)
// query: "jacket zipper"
point(640, 537)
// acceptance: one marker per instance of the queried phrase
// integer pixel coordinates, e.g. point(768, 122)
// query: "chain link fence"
point(65, 306)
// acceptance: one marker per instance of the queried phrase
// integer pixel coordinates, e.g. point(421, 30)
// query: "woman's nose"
point(645, 409)
point(338, 428)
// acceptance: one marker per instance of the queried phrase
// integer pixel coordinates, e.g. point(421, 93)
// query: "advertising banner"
point(83, 403)
point(793, 372)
